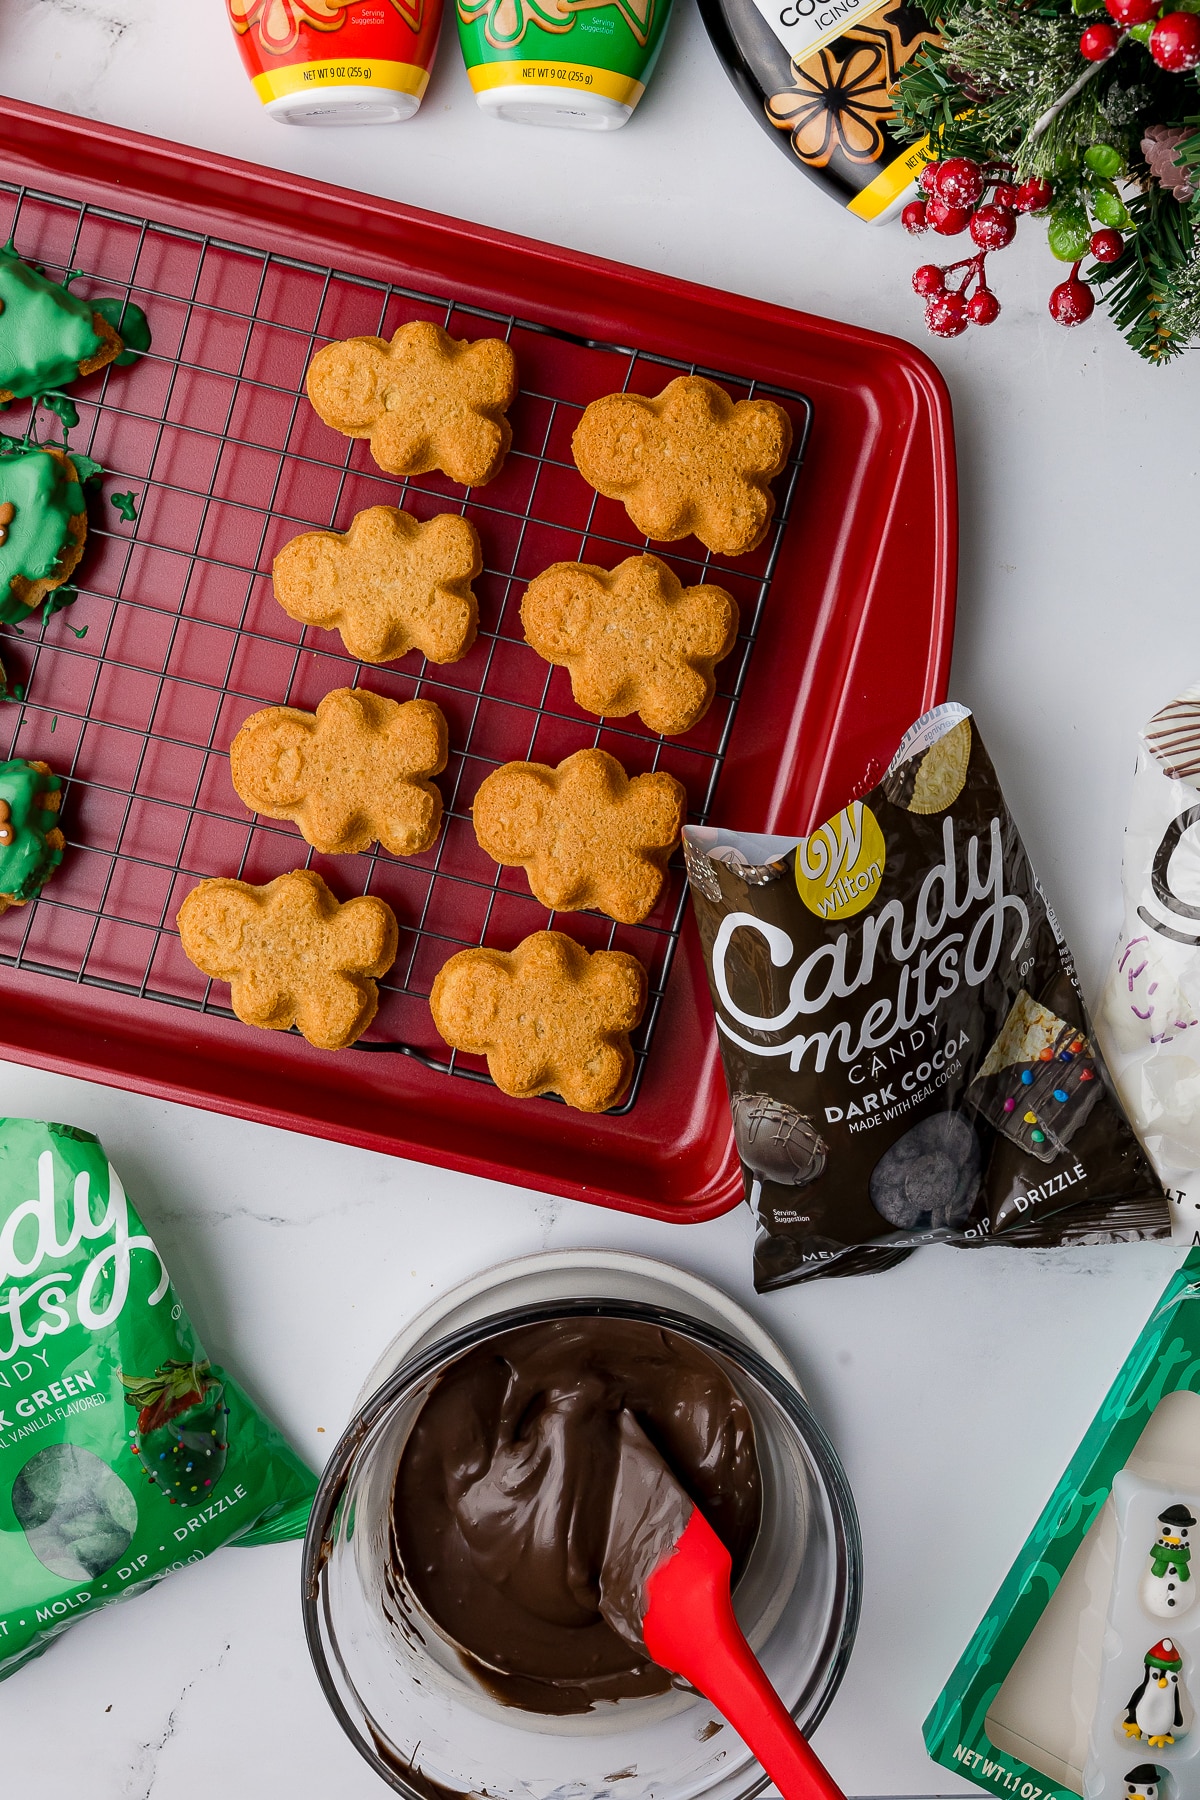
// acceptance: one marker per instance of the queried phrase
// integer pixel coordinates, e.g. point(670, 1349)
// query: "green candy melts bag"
point(124, 1453)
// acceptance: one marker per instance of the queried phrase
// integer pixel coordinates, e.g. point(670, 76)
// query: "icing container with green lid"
point(578, 63)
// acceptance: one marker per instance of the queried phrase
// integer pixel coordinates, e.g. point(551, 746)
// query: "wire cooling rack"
point(135, 693)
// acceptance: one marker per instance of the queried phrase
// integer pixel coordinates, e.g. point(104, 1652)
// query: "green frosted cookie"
point(48, 337)
point(31, 844)
point(43, 524)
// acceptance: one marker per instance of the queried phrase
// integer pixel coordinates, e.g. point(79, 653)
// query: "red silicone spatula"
point(665, 1587)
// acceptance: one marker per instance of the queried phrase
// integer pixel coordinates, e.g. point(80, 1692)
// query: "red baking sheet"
point(853, 643)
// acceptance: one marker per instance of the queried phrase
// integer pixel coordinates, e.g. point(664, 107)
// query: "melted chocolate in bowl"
point(502, 1499)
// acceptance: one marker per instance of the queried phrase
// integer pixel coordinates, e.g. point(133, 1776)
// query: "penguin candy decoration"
point(1154, 1711)
point(1144, 1783)
point(1168, 1590)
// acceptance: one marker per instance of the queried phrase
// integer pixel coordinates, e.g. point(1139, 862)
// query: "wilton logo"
point(961, 922)
point(30, 1238)
point(839, 868)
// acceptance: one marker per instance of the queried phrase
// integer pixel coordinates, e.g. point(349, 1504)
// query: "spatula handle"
point(690, 1628)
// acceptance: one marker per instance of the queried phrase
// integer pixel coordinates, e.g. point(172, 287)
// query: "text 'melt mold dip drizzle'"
point(338, 62)
point(819, 76)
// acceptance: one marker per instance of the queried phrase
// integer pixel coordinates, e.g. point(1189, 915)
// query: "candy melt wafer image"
point(933, 779)
point(77, 1514)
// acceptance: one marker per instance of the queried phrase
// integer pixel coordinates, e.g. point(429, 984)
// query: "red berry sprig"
point(1072, 302)
point(950, 306)
point(1106, 245)
point(963, 195)
point(1174, 43)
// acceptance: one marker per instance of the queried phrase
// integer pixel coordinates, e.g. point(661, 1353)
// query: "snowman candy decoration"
point(1168, 1590)
point(1144, 1782)
point(1154, 1711)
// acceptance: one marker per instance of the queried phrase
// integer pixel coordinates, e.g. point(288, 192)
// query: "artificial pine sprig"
point(1153, 291)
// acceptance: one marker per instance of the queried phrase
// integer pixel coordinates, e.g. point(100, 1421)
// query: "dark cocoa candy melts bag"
point(908, 1053)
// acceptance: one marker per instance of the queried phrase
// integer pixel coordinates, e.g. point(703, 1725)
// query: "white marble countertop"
point(955, 1387)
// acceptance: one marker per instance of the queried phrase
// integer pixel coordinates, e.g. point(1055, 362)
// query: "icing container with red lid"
point(337, 62)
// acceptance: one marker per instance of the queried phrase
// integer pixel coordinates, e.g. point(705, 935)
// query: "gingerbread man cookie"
point(688, 460)
point(31, 844)
point(633, 638)
point(549, 1017)
point(43, 526)
point(389, 585)
point(425, 401)
point(48, 337)
point(354, 771)
point(585, 834)
point(291, 953)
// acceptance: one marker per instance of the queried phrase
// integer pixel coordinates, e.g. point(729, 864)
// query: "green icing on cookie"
point(45, 332)
point(131, 325)
point(44, 501)
point(28, 860)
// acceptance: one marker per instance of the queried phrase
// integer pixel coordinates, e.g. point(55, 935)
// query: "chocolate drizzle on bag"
point(908, 1053)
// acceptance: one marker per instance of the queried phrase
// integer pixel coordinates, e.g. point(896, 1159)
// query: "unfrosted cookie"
point(634, 638)
point(389, 585)
point(43, 526)
point(292, 953)
point(585, 834)
point(31, 844)
point(549, 1017)
point(425, 400)
point(690, 460)
point(354, 771)
point(48, 336)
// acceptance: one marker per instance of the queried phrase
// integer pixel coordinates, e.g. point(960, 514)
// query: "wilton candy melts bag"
point(124, 1453)
point(908, 1053)
point(1149, 1018)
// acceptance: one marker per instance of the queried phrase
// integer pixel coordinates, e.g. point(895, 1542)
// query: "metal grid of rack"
point(135, 692)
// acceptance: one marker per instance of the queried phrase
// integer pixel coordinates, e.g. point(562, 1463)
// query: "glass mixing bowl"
point(417, 1715)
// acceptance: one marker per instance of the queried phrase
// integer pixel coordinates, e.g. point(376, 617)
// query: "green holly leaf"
point(1103, 160)
point(1068, 233)
point(1108, 208)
